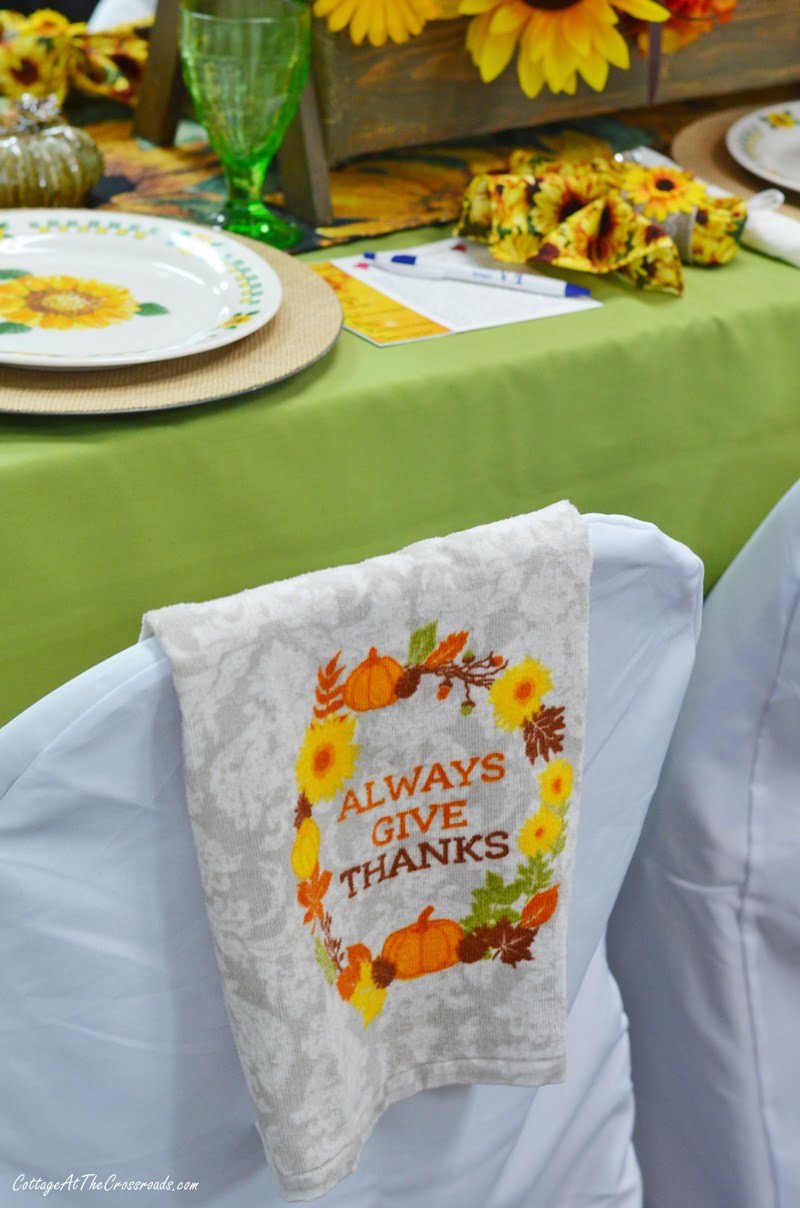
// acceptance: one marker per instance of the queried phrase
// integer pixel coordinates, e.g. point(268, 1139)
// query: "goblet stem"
point(245, 212)
point(245, 185)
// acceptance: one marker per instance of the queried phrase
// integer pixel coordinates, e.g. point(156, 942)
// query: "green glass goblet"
point(245, 63)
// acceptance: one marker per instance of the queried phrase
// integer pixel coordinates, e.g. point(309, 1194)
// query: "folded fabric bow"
point(45, 53)
point(602, 216)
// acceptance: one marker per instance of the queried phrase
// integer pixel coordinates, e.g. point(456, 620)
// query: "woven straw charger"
point(701, 148)
point(306, 326)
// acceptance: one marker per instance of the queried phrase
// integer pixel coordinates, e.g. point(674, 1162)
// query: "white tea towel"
point(383, 766)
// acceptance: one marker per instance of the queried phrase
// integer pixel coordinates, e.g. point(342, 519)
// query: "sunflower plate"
point(79, 290)
point(767, 143)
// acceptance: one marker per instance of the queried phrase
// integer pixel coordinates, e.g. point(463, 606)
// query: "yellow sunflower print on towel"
point(327, 757)
point(555, 783)
point(540, 834)
point(517, 694)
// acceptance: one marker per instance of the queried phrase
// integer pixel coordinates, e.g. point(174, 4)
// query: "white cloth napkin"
point(109, 13)
point(765, 231)
point(383, 766)
point(774, 234)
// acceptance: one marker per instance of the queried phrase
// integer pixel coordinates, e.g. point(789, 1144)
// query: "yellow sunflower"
point(539, 164)
point(595, 239)
point(662, 191)
point(476, 209)
point(377, 20)
point(47, 22)
point(25, 66)
point(517, 247)
point(11, 23)
point(658, 267)
point(540, 833)
point(560, 196)
point(62, 303)
point(780, 119)
point(557, 39)
point(556, 782)
point(327, 757)
point(602, 231)
point(510, 199)
point(35, 54)
point(110, 63)
point(517, 693)
point(717, 231)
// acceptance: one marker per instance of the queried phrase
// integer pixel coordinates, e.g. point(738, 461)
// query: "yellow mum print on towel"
point(504, 915)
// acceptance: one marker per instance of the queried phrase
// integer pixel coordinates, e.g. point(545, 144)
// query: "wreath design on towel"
point(505, 916)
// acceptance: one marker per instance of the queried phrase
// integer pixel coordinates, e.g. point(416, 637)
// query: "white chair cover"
point(117, 1055)
point(705, 939)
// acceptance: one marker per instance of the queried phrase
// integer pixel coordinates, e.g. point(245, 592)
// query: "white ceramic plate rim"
point(270, 304)
point(736, 132)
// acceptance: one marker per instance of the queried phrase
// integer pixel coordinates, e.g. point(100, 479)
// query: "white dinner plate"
point(84, 289)
point(767, 143)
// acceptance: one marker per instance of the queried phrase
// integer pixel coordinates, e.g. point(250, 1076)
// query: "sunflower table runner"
point(372, 196)
point(602, 216)
point(383, 768)
point(400, 190)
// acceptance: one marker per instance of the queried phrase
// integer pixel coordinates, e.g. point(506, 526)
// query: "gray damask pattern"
point(246, 670)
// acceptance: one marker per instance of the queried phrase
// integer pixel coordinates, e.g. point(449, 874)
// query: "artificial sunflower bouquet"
point(555, 41)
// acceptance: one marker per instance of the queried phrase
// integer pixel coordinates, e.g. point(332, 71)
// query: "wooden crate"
point(372, 99)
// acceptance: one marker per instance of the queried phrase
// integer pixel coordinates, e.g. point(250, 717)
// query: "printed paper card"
point(387, 308)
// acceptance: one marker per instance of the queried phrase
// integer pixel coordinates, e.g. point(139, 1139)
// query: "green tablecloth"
point(682, 412)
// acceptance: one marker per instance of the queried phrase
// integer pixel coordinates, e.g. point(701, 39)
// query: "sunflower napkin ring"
point(707, 230)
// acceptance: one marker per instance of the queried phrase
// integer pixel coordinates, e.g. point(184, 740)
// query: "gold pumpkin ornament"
point(43, 160)
point(371, 685)
point(427, 946)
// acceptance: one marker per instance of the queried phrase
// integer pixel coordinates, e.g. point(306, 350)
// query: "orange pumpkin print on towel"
point(505, 914)
point(372, 685)
point(427, 946)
